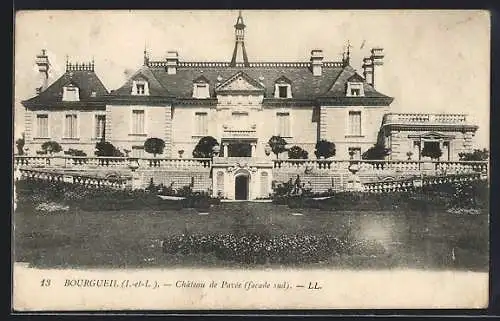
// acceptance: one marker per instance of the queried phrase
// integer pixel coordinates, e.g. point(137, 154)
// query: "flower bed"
point(32, 192)
point(465, 195)
point(262, 248)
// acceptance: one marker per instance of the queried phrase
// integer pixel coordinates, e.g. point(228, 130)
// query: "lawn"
point(118, 239)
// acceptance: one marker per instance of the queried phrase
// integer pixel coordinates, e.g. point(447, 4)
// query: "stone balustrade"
point(408, 184)
point(86, 180)
point(415, 118)
point(82, 162)
point(441, 167)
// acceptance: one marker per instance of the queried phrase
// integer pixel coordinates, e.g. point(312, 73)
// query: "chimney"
point(172, 61)
point(42, 61)
point(368, 70)
point(377, 60)
point(316, 61)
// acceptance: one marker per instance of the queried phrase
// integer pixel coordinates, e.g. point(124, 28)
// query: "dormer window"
point(355, 89)
point(140, 88)
point(355, 86)
point(282, 88)
point(71, 93)
point(201, 88)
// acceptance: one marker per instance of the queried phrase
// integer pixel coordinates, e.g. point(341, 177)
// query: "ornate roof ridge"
point(209, 64)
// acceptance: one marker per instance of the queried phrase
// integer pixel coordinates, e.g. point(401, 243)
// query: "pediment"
point(240, 82)
point(432, 135)
point(355, 78)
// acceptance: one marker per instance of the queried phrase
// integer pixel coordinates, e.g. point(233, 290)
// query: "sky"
point(435, 61)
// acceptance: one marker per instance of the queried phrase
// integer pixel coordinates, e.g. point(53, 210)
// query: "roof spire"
point(346, 56)
point(239, 52)
point(146, 54)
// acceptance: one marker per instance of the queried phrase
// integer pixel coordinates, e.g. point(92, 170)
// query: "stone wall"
point(180, 178)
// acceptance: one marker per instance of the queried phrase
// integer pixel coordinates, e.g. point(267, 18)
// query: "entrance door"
point(241, 187)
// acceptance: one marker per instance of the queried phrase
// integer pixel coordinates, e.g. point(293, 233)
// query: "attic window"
point(201, 91)
point(355, 89)
point(282, 88)
point(71, 93)
point(140, 88)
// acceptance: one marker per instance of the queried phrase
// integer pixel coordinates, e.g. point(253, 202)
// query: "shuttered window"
point(42, 125)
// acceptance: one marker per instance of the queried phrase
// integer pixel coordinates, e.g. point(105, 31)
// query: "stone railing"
point(409, 184)
point(442, 167)
point(86, 180)
point(83, 162)
point(414, 118)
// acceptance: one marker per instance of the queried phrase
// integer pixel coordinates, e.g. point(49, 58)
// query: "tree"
point(106, 149)
point(296, 152)
point(376, 152)
point(205, 147)
point(20, 145)
point(51, 147)
point(154, 146)
point(432, 150)
point(277, 144)
point(476, 155)
point(324, 149)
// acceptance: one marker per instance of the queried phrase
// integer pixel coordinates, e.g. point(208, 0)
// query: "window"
point(137, 151)
point(355, 123)
point(355, 89)
point(71, 126)
point(283, 91)
point(42, 125)
point(100, 123)
point(283, 124)
point(201, 91)
point(354, 152)
point(71, 93)
point(201, 124)
point(138, 122)
point(140, 88)
point(282, 88)
point(240, 119)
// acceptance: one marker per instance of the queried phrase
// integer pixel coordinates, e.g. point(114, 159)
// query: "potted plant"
point(180, 151)
point(409, 154)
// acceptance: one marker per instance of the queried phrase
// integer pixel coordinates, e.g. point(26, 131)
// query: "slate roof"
point(87, 81)
point(305, 86)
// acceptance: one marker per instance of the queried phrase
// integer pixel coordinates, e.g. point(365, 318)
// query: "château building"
point(240, 102)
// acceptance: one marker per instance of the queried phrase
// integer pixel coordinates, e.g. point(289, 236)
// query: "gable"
point(283, 80)
point(355, 78)
point(240, 82)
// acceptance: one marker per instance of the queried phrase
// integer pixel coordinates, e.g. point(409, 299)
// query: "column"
point(224, 145)
point(254, 147)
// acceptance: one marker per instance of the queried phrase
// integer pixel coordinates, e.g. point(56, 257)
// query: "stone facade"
point(242, 104)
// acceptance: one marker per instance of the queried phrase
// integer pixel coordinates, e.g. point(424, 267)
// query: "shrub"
point(20, 145)
point(296, 152)
point(51, 147)
point(476, 155)
point(75, 152)
point(205, 147)
point(376, 152)
point(277, 144)
point(154, 146)
point(106, 149)
point(324, 149)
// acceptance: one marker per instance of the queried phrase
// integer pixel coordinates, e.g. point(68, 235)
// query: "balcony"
point(239, 132)
point(414, 118)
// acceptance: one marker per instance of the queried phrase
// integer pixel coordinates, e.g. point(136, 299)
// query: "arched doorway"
point(241, 187)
